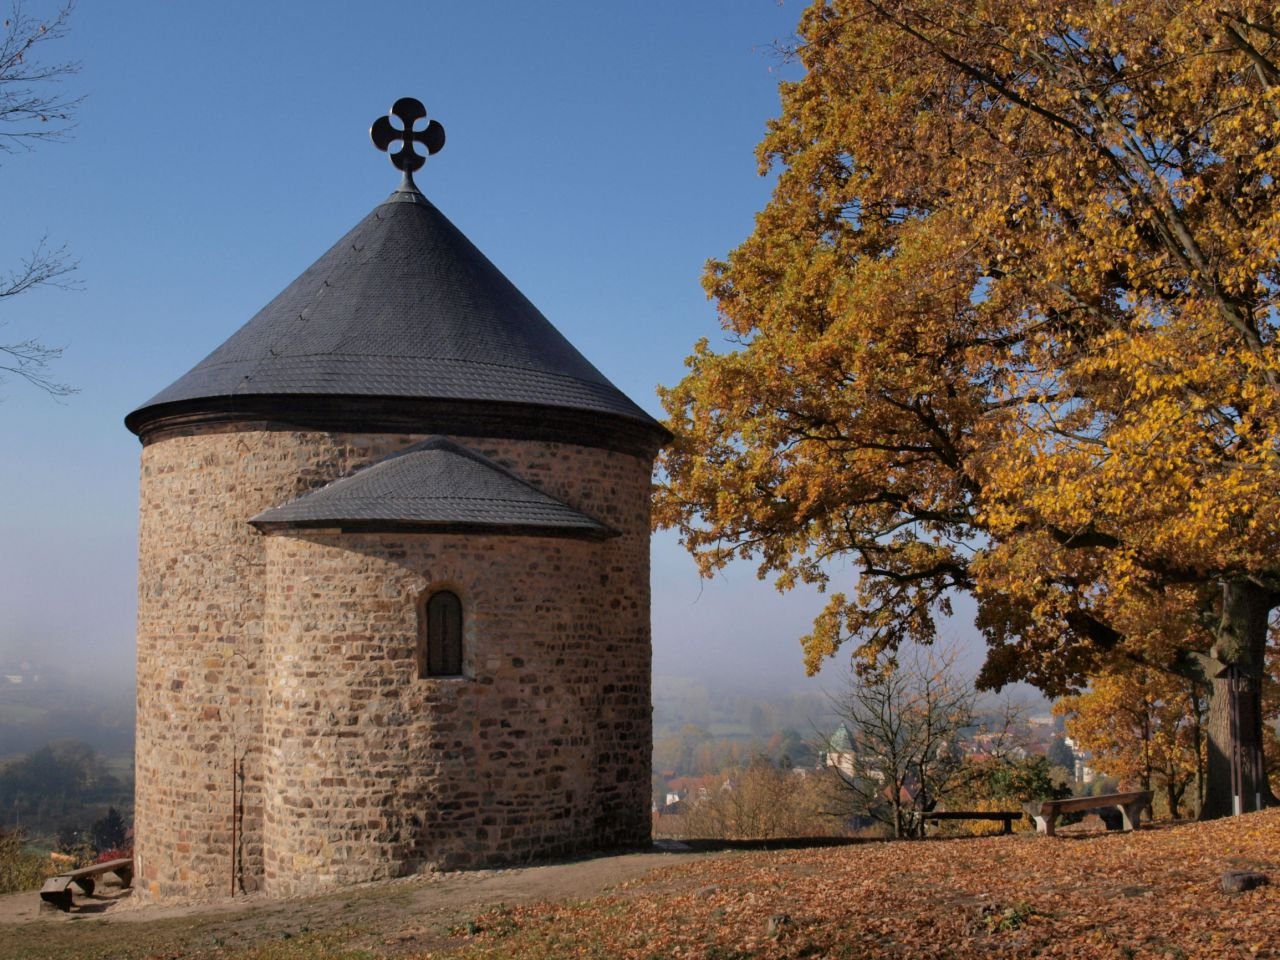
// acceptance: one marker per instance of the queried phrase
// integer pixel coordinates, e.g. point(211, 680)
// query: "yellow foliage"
point(1141, 727)
point(1006, 326)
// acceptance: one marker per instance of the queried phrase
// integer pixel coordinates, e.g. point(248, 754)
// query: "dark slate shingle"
point(435, 484)
point(403, 306)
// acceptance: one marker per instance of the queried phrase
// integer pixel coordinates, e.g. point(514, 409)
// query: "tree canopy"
point(1008, 326)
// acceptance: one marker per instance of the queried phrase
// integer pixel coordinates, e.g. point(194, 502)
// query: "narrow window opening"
point(440, 636)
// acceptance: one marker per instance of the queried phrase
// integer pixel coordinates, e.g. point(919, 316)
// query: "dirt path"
point(400, 916)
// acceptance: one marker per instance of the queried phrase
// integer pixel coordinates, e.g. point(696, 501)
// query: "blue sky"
point(598, 153)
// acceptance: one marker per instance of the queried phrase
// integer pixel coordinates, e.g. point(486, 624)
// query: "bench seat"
point(1130, 804)
point(1008, 816)
point(57, 890)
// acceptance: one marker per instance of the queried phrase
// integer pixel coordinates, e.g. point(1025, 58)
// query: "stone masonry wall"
point(373, 772)
point(204, 677)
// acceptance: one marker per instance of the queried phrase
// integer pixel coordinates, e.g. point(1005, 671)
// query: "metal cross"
point(408, 111)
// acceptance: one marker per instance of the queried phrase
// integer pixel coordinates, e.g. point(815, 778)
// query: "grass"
point(307, 946)
point(181, 939)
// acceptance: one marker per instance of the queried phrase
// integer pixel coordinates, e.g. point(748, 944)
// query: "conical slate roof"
point(403, 308)
point(436, 485)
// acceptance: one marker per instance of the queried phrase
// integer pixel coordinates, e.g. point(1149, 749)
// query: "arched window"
point(440, 636)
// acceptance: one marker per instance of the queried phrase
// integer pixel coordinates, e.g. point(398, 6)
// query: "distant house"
point(680, 789)
point(987, 745)
point(910, 794)
point(1083, 772)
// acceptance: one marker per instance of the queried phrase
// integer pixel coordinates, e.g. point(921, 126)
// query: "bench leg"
point(1131, 812)
point(126, 877)
point(1044, 824)
point(86, 884)
point(59, 899)
point(1007, 826)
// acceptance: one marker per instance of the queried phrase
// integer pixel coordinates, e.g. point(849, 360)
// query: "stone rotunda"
point(393, 586)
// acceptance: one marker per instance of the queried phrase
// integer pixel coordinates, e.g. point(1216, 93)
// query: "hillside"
point(41, 703)
point(1149, 894)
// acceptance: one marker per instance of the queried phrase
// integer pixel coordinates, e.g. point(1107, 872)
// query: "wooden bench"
point(933, 816)
point(1046, 812)
point(57, 890)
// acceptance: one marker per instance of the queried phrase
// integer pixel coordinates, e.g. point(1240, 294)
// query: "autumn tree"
point(1143, 727)
point(1007, 327)
point(33, 111)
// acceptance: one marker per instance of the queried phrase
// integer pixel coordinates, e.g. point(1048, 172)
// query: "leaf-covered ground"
point(1150, 894)
point(1154, 893)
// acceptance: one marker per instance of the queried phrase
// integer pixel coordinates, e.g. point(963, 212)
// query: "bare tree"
point(765, 801)
point(33, 110)
point(904, 724)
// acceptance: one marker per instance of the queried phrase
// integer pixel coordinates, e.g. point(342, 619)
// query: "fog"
point(599, 182)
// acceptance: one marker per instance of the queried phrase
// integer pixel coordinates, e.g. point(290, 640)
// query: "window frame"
point(441, 611)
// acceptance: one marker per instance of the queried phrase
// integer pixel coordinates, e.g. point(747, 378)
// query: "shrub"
point(115, 853)
point(1003, 784)
point(19, 869)
point(763, 802)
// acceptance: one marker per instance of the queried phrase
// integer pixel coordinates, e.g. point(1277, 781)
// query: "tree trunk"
point(1145, 777)
point(1197, 712)
point(1241, 647)
point(1172, 796)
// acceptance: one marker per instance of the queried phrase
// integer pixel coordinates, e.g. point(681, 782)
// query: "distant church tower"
point(393, 589)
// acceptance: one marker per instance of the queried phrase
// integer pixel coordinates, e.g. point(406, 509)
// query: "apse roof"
point(436, 485)
point(403, 307)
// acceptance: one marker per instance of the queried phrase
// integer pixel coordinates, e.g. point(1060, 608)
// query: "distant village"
point(833, 761)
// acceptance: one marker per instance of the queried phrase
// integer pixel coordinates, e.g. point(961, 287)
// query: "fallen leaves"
point(1150, 894)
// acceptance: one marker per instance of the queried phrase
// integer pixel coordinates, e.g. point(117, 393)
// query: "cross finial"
point(408, 111)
